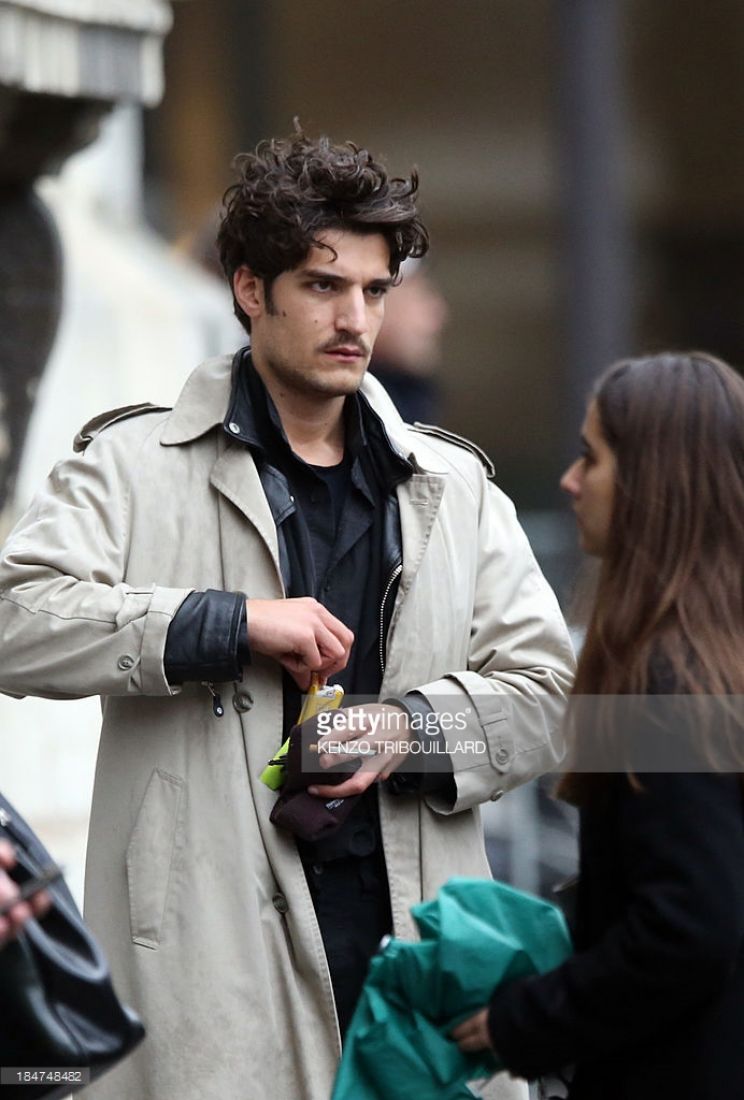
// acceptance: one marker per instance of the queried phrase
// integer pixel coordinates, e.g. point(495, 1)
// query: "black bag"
point(305, 815)
point(57, 1004)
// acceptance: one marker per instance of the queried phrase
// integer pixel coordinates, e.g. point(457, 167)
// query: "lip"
point(345, 353)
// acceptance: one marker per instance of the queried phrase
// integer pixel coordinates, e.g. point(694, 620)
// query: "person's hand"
point(380, 731)
point(472, 1034)
point(301, 635)
point(12, 923)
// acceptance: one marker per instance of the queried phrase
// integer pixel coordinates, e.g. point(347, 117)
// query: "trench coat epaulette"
point(104, 420)
point(459, 441)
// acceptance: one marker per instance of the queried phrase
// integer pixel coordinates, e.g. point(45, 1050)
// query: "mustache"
point(346, 340)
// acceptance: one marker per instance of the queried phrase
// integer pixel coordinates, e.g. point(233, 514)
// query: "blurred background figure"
point(408, 351)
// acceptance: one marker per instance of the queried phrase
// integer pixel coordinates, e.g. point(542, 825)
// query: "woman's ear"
point(249, 291)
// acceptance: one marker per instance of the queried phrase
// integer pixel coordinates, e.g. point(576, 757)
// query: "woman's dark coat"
point(652, 1004)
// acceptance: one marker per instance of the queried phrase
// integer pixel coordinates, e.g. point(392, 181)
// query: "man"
point(194, 567)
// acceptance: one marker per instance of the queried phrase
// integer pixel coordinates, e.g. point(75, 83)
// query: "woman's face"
point(590, 482)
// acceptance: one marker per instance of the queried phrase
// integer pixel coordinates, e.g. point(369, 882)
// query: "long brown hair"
point(671, 586)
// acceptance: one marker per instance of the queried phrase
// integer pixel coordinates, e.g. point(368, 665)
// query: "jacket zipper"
point(393, 577)
point(217, 708)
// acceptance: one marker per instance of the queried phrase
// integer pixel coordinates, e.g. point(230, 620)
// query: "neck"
point(314, 424)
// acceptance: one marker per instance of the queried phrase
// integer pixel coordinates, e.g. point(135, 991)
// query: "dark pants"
point(352, 904)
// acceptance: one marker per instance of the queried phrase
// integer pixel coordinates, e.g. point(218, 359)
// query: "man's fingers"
point(347, 724)
point(297, 669)
point(369, 773)
point(330, 646)
point(337, 628)
point(299, 633)
point(357, 785)
point(301, 676)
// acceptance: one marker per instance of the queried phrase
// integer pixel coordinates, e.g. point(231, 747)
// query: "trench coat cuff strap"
point(472, 718)
point(164, 604)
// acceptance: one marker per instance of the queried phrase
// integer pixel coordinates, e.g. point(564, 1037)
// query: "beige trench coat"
point(200, 902)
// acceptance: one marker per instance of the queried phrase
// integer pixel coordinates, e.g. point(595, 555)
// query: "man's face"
point(315, 335)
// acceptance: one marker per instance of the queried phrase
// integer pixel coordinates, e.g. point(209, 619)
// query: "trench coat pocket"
point(151, 854)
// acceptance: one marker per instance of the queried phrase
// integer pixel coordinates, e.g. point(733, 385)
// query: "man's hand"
point(472, 1034)
point(301, 635)
point(380, 733)
point(12, 923)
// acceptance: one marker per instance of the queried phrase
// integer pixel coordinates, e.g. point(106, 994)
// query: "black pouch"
point(305, 815)
point(58, 1007)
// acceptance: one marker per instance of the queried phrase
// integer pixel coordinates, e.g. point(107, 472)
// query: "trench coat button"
point(496, 796)
point(242, 701)
point(502, 755)
point(126, 662)
point(280, 903)
point(234, 428)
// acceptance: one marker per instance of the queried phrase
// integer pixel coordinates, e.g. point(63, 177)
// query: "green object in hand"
point(475, 935)
point(319, 697)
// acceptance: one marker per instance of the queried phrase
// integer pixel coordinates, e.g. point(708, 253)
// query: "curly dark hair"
point(292, 189)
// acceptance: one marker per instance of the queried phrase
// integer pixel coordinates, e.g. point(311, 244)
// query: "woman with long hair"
point(651, 1005)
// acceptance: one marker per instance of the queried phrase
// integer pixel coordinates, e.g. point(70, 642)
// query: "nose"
point(352, 313)
point(570, 480)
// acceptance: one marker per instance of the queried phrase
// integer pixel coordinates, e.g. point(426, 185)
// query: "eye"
point(376, 292)
point(322, 286)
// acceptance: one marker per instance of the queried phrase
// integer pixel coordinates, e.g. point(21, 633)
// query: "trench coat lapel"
point(235, 477)
point(419, 499)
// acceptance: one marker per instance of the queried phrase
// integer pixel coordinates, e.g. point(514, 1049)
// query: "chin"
point(336, 385)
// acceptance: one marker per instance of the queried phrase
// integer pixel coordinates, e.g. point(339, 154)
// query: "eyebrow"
point(315, 273)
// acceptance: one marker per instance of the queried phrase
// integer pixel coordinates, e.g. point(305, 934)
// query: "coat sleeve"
point(675, 945)
point(501, 716)
point(69, 624)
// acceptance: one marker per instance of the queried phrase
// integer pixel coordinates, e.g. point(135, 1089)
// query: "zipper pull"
point(217, 708)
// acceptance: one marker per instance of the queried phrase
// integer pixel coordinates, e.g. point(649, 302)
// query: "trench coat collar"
point(204, 400)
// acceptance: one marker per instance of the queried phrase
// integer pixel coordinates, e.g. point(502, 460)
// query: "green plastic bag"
point(475, 935)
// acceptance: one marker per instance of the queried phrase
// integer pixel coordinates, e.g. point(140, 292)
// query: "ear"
point(249, 291)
